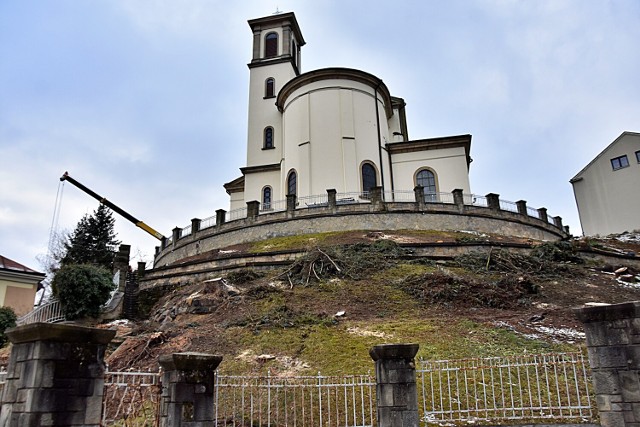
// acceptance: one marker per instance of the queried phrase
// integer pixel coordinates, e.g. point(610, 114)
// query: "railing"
point(3, 379)
point(185, 231)
point(239, 213)
point(50, 312)
point(398, 196)
point(208, 222)
point(353, 197)
point(313, 201)
point(529, 387)
point(275, 206)
point(296, 401)
point(131, 398)
point(478, 201)
point(508, 206)
point(532, 212)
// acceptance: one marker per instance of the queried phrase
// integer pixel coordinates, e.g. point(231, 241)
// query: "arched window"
point(368, 177)
point(268, 138)
point(266, 198)
point(271, 45)
point(292, 183)
point(427, 180)
point(270, 88)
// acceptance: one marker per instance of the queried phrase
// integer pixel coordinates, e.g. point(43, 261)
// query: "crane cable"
point(53, 231)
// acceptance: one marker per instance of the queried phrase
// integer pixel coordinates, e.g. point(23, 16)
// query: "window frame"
point(292, 174)
point(429, 196)
point(371, 165)
point(638, 156)
point(619, 162)
point(267, 141)
point(271, 43)
point(267, 201)
point(269, 88)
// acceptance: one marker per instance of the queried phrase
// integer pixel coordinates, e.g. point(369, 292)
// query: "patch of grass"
point(300, 241)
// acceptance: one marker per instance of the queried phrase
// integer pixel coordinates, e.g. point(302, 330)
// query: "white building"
point(333, 128)
point(607, 190)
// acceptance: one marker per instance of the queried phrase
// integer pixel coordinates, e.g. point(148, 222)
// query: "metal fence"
point(50, 312)
point(131, 399)
point(295, 401)
point(525, 388)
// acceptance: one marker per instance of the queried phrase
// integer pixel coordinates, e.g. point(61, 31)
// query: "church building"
point(332, 128)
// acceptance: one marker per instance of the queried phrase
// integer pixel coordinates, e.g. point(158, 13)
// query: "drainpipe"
point(375, 100)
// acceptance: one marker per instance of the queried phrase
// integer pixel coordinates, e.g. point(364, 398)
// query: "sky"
point(145, 101)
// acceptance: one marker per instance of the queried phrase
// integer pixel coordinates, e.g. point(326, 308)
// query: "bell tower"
point(276, 59)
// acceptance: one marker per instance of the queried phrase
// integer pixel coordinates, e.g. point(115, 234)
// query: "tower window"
point(268, 138)
point(270, 88)
point(292, 183)
point(427, 180)
point(266, 198)
point(271, 45)
point(368, 177)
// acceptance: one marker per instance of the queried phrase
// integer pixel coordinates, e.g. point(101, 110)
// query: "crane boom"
point(104, 201)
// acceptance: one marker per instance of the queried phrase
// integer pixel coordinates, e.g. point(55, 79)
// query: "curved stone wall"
point(373, 216)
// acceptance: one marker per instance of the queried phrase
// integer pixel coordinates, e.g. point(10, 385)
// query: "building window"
point(368, 177)
point(266, 198)
point(638, 156)
point(268, 138)
point(270, 88)
point(271, 45)
point(292, 183)
point(620, 162)
point(427, 180)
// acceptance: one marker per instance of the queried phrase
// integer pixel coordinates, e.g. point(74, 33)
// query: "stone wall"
point(393, 216)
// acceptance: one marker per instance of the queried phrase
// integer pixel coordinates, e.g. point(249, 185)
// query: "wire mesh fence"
point(300, 401)
point(525, 388)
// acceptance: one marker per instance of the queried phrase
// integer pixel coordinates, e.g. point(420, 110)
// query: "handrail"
point(51, 312)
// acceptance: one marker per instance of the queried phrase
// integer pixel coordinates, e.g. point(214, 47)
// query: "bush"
point(7, 320)
point(82, 289)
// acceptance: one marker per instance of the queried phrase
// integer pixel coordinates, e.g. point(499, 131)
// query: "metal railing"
point(318, 201)
point(239, 213)
point(508, 206)
point(533, 212)
point(399, 196)
point(353, 198)
point(50, 312)
point(526, 388)
point(275, 206)
point(303, 401)
point(208, 222)
point(131, 398)
point(476, 200)
point(184, 232)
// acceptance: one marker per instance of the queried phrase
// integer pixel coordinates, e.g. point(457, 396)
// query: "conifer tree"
point(93, 241)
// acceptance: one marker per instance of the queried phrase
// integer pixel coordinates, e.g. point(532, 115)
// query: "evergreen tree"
point(93, 241)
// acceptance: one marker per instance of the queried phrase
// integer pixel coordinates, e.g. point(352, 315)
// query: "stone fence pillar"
point(292, 200)
point(396, 392)
point(121, 265)
point(458, 199)
point(55, 376)
point(418, 191)
point(188, 384)
point(522, 207)
point(557, 221)
point(221, 217)
point(253, 209)
point(195, 225)
point(331, 199)
point(613, 342)
point(375, 195)
point(493, 201)
point(176, 235)
point(542, 213)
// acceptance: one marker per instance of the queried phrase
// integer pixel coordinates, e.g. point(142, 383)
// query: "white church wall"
point(449, 165)
point(255, 182)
